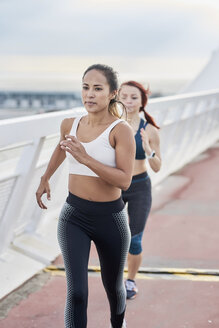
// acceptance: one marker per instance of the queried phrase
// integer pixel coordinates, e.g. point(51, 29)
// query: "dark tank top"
point(140, 153)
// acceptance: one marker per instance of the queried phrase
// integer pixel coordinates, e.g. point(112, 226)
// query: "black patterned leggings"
point(106, 223)
point(139, 200)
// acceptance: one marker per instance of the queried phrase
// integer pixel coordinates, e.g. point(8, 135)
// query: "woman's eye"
point(98, 89)
point(85, 88)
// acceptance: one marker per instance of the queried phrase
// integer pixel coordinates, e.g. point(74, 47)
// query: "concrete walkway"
point(179, 279)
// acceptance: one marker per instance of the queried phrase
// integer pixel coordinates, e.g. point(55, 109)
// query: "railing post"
point(25, 170)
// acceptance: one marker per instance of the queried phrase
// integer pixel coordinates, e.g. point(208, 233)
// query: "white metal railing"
point(189, 125)
point(25, 146)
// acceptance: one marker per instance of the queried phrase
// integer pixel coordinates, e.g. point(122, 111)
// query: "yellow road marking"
point(154, 273)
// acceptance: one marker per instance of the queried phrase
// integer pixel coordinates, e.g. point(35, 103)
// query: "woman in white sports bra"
point(101, 151)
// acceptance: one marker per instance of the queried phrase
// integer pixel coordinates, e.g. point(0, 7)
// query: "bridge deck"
point(178, 286)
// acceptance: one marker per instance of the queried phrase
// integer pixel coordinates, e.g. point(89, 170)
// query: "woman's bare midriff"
point(139, 166)
point(97, 190)
point(92, 188)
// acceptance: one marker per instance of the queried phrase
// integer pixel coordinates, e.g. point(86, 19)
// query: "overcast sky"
point(171, 28)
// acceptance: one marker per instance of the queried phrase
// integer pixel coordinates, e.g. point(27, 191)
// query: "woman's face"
point(131, 98)
point(96, 93)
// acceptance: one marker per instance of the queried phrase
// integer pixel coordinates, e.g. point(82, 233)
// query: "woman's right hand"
point(43, 188)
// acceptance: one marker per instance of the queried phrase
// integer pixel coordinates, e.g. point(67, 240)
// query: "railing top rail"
point(184, 96)
point(34, 126)
point(78, 110)
point(41, 125)
point(39, 117)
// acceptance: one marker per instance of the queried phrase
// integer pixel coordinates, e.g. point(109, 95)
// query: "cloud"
point(73, 27)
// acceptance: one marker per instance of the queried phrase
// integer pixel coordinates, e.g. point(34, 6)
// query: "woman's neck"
point(133, 121)
point(96, 119)
point(133, 118)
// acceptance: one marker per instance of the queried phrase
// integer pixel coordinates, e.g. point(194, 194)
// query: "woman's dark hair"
point(144, 100)
point(111, 77)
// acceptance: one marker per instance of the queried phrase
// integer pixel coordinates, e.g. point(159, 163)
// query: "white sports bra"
point(99, 148)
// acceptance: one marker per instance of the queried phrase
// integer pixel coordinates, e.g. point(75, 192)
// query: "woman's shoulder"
point(66, 124)
point(67, 121)
point(122, 127)
point(121, 123)
point(151, 127)
point(123, 135)
point(152, 131)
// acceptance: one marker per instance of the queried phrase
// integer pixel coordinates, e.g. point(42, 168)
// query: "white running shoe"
point(131, 289)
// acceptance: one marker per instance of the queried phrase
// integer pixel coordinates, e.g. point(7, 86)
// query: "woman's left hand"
point(75, 148)
point(145, 141)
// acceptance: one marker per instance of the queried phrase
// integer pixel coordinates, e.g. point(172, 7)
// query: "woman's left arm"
point(119, 176)
point(151, 142)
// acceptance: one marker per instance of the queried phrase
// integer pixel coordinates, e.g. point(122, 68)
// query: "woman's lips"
point(90, 103)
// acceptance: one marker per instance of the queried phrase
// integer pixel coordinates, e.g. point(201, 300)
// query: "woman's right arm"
point(56, 160)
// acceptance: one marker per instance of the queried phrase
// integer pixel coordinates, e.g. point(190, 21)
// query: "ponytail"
point(113, 107)
point(148, 117)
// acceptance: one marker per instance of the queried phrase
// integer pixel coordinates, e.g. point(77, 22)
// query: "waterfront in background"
point(62, 74)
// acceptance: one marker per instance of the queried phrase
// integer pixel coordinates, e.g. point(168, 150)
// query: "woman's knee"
point(136, 244)
point(78, 296)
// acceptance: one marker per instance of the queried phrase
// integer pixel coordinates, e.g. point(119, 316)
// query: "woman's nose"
point(128, 101)
point(90, 93)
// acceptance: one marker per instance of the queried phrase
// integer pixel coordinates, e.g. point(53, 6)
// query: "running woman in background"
point(134, 96)
point(100, 148)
